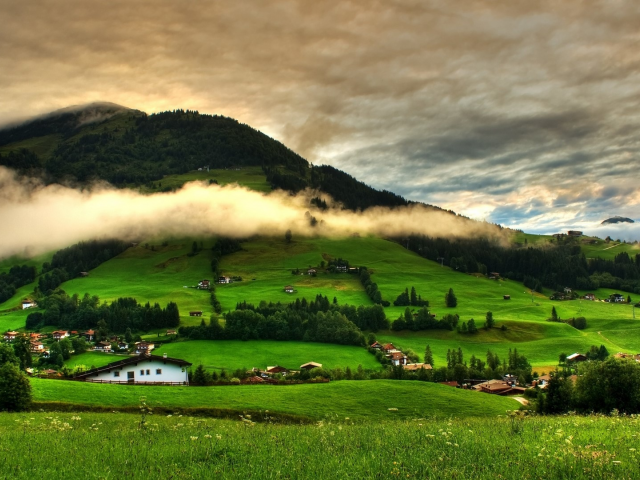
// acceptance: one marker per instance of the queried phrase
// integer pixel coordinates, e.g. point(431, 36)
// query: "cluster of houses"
point(569, 294)
point(398, 358)
point(38, 347)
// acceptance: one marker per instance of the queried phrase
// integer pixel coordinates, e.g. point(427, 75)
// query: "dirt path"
point(617, 346)
point(612, 246)
point(522, 400)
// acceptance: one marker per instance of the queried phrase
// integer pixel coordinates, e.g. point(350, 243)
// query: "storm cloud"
point(520, 112)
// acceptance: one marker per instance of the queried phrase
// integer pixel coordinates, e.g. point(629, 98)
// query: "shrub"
point(15, 389)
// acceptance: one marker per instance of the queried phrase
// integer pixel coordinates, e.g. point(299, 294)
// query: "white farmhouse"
point(142, 368)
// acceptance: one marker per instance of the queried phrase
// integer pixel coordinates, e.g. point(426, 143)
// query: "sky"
point(520, 113)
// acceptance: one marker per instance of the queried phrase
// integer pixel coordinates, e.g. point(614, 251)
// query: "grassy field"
point(234, 354)
point(250, 177)
point(65, 445)
point(362, 400)
point(608, 251)
point(90, 359)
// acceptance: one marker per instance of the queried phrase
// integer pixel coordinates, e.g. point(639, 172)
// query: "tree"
point(559, 396)
point(128, 337)
point(15, 389)
point(471, 326)
point(287, 236)
point(562, 358)
point(22, 349)
point(554, 314)
point(428, 356)
point(489, 322)
point(450, 299)
point(414, 297)
point(199, 376)
point(7, 354)
point(79, 345)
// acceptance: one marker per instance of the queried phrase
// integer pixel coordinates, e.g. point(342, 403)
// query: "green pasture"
point(161, 275)
point(250, 177)
point(608, 251)
point(363, 400)
point(235, 354)
point(81, 445)
point(90, 359)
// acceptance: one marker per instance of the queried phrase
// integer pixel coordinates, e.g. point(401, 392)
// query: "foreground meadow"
point(116, 445)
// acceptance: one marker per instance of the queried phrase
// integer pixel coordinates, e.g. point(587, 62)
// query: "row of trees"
point(410, 299)
point(371, 288)
point(423, 320)
point(73, 312)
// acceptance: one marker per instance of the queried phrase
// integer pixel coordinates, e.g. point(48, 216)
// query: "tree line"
point(317, 320)
point(75, 313)
point(555, 267)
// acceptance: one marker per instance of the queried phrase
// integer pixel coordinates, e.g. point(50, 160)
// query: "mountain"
point(129, 148)
point(617, 219)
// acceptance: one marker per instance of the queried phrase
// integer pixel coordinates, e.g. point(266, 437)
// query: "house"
point(311, 271)
point(254, 379)
point(10, 336)
point(310, 366)
point(288, 289)
point(617, 298)
point(35, 336)
point(60, 334)
point(542, 381)
point(171, 332)
point(397, 358)
point(102, 347)
point(204, 285)
point(389, 348)
point(353, 270)
point(497, 387)
point(494, 276)
point(224, 279)
point(144, 347)
point(376, 345)
point(341, 268)
point(123, 346)
point(276, 369)
point(629, 356)
point(567, 290)
point(574, 233)
point(89, 335)
point(506, 297)
point(576, 357)
point(417, 366)
point(142, 368)
point(84, 274)
point(37, 347)
point(28, 304)
point(510, 379)
point(196, 313)
point(589, 296)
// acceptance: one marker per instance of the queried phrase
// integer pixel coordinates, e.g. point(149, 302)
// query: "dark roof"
point(132, 361)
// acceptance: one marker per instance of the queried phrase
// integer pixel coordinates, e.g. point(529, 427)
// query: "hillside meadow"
point(359, 400)
point(116, 445)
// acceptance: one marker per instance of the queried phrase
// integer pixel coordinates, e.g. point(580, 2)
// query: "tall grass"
point(89, 445)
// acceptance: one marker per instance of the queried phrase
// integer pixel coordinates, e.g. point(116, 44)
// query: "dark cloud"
point(477, 106)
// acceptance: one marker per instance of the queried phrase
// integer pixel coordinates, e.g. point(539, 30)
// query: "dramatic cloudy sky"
point(519, 112)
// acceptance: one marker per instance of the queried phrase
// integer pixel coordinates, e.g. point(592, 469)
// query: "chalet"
point(574, 233)
point(102, 347)
point(171, 332)
point(89, 335)
point(353, 270)
point(28, 304)
point(341, 268)
point(36, 336)
point(311, 271)
point(589, 296)
point(397, 358)
point(542, 381)
point(497, 387)
point(288, 289)
point(506, 297)
point(60, 334)
point(376, 345)
point(196, 313)
point(567, 290)
point(144, 347)
point(224, 279)
point(510, 379)
point(617, 298)
point(36, 347)
point(389, 348)
point(140, 369)
point(417, 366)
point(10, 336)
point(310, 366)
point(123, 346)
point(629, 356)
point(204, 285)
point(576, 357)
point(494, 276)
point(276, 369)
